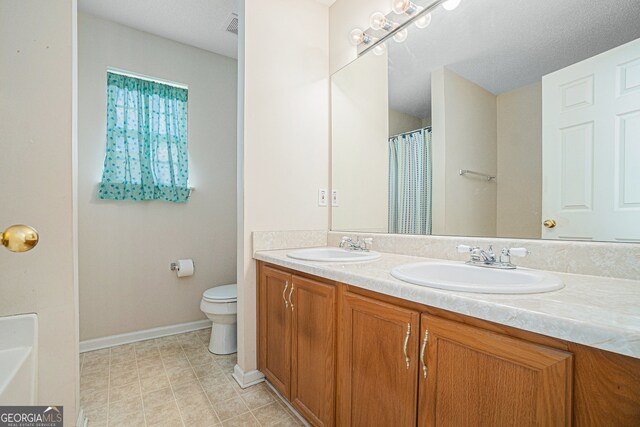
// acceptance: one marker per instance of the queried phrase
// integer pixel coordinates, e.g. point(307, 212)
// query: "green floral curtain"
point(146, 155)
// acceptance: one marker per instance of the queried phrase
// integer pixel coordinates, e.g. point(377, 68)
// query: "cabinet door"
point(481, 378)
point(378, 363)
point(275, 328)
point(313, 351)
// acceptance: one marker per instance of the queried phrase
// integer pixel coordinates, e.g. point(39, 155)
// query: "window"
point(146, 154)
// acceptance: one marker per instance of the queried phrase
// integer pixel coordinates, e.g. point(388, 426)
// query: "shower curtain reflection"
point(410, 182)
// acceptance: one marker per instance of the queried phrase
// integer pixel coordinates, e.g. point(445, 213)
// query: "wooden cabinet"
point(275, 328)
point(471, 376)
point(313, 367)
point(378, 363)
point(297, 341)
point(347, 356)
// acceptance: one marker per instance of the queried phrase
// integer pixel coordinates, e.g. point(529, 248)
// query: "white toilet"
point(221, 307)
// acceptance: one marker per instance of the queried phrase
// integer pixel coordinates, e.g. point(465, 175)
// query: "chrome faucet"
point(481, 258)
point(359, 245)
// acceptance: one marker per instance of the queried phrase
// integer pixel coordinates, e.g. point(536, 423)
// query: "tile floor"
point(173, 381)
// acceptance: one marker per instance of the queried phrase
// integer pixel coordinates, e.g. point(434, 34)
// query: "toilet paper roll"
point(185, 267)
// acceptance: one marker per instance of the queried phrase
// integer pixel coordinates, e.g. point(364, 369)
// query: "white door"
point(37, 63)
point(591, 148)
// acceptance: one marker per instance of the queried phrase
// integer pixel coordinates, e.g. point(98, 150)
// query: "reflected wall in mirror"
point(500, 119)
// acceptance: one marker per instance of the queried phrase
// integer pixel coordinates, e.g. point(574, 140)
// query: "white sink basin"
point(467, 278)
point(18, 359)
point(332, 255)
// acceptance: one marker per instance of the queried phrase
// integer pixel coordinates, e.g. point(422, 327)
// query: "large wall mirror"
point(499, 119)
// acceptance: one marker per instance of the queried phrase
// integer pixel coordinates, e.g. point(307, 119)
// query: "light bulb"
point(380, 22)
point(401, 35)
point(451, 4)
point(357, 37)
point(401, 7)
point(423, 21)
point(379, 49)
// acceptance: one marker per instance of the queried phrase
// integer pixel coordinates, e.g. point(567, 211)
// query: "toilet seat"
point(225, 293)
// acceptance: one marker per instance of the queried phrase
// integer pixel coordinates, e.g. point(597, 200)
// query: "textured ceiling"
point(199, 23)
point(502, 45)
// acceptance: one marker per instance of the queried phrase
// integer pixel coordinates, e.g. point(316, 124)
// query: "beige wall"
point(401, 122)
point(37, 172)
point(464, 137)
point(126, 247)
point(359, 145)
point(283, 136)
point(519, 195)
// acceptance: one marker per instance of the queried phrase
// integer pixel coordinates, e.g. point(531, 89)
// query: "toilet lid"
point(221, 293)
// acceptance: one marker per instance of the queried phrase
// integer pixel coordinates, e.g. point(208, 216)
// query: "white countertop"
point(595, 311)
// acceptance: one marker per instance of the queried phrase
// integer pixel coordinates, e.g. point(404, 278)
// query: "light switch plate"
point(335, 201)
point(322, 196)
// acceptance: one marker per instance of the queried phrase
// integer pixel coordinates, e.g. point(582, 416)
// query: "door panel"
point(481, 378)
point(275, 328)
point(591, 129)
point(313, 351)
point(378, 382)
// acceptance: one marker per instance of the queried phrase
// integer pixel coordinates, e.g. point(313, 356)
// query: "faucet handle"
point(518, 252)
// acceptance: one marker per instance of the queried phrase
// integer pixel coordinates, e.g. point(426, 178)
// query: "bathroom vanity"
point(349, 345)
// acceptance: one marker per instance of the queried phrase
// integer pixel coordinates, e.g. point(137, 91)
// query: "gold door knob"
point(550, 223)
point(19, 238)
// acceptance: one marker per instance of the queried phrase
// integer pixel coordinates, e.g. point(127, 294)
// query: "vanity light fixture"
point(384, 27)
point(423, 21)
point(404, 6)
point(451, 4)
point(358, 37)
point(401, 35)
point(380, 22)
point(379, 49)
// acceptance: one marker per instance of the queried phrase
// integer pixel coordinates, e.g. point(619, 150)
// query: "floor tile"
point(158, 398)
point(220, 392)
point(116, 419)
point(271, 414)
point(193, 401)
point(180, 375)
point(124, 392)
point(97, 414)
point(186, 388)
point(162, 413)
point(257, 397)
point(147, 368)
point(207, 369)
point(244, 420)
point(153, 383)
point(126, 406)
point(172, 381)
point(123, 378)
point(230, 408)
point(203, 416)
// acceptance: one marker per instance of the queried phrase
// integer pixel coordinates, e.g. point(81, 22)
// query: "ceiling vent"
point(232, 23)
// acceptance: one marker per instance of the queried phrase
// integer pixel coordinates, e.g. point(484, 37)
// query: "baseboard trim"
point(246, 379)
point(146, 334)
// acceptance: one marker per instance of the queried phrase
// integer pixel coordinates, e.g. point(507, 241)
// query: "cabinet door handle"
point(290, 292)
point(424, 347)
point(406, 343)
point(284, 291)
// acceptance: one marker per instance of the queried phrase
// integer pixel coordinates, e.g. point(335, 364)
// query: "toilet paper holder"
point(175, 267)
